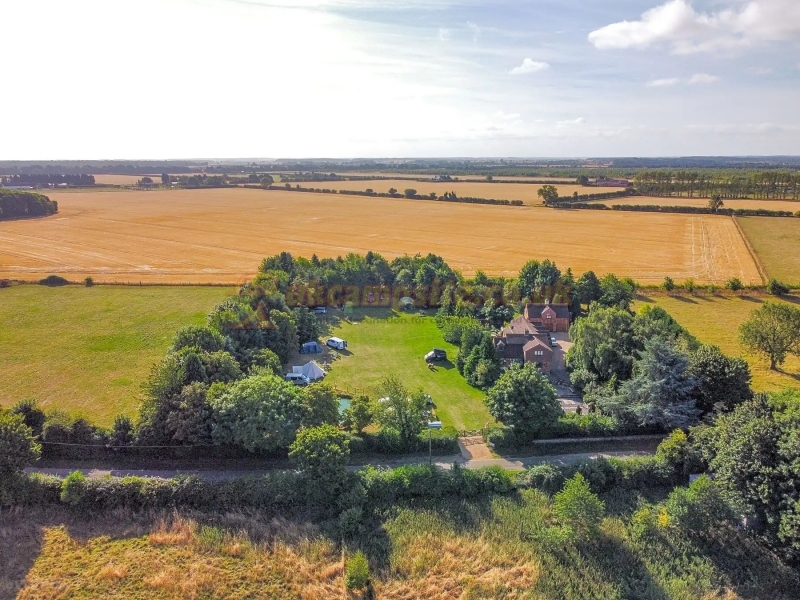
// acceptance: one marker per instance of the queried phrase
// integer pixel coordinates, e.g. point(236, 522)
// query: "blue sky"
point(345, 78)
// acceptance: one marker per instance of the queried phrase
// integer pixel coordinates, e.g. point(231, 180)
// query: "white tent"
point(311, 370)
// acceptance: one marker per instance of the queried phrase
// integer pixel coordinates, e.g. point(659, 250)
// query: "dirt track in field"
point(221, 235)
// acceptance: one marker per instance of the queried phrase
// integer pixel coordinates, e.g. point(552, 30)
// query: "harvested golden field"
point(777, 244)
point(527, 192)
point(703, 202)
point(221, 235)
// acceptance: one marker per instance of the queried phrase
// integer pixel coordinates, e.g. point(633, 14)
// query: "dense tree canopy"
point(524, 399)
point(258, 413)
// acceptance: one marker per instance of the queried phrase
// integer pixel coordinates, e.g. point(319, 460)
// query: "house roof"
point(535, 310)
point(538, 344)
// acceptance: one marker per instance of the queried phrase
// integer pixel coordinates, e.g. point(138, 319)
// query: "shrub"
point(698, 507)
point(734, 284)
point(33, 416)
point(73, 488)
point(350, 521)
point(689, 285)
point(578, 507)
point(546, 477)
point(356, 572)
point(321, 452)
point(776, 288)
point(53, 281)
point(88, 282)
point(18, 448)
point(668, 284)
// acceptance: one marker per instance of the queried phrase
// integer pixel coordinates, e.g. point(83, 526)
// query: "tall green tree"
point(604, 343)
point(400, 410)
point(525, 400)
point(258, 413)
point(772, 331)
point(616, 292)
point(548, 194)
point(587, 288)
point(659, 392)
point(721, 382)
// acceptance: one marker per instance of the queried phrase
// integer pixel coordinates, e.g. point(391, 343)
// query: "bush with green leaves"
point(18, 447)
point(73, 488)
point(321, 455)
point(358, 415)
point(776, 288)
point(321, 405)
point(31, 414)
point(356, 572)
point(578, 508)
point(734, 284)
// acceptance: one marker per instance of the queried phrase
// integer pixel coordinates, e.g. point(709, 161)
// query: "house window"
point(538, 353)
point(549, 316)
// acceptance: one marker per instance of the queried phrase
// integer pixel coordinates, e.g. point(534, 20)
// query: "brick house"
point(524, 342)
point(527, 338)
point(552, 317)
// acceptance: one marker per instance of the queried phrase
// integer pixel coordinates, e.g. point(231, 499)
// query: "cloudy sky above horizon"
point(97, 79)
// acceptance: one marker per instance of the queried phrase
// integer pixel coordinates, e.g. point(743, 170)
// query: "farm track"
point(205, 236)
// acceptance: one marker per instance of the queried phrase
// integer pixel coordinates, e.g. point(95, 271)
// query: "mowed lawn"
point(88, 350)
point(716, 320)
point(381, 344)
point(777, 243)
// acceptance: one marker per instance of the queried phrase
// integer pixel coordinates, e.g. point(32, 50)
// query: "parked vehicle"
point(337, 343)
point(553, 341)
point(436, 355)
point(297, 378)
point(320, 310)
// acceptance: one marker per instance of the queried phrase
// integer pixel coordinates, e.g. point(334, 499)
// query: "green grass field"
point(88, 350)
point(381, 344)
point(777, 243)
point(716, 320)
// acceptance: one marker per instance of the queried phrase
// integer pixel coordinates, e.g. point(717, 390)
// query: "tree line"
point(768, 185)
point(15, 204)
point(48, 179)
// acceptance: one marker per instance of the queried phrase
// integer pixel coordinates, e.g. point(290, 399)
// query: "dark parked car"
point(436, 355)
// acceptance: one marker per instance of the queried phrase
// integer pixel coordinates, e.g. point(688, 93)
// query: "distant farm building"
point(527, 338)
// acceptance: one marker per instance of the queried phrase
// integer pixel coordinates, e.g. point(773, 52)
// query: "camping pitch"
point(311, 370)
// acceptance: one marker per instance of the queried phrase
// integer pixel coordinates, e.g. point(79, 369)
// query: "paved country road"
point(445, 462)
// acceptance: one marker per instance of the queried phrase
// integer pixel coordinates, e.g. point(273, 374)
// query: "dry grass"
point(777, 243)
point(703, 202)
point(221, 235)
point(526, 192)
point(450, 550)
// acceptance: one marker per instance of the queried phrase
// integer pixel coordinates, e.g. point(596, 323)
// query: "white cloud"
point(760, 70)
point(529, 66)
point(664, 82)
point(444, 34)
point(703, 78)
point(567, 123)
point(678, 25)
